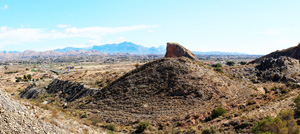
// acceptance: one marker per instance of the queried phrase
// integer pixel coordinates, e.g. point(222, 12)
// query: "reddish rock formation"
point(176, 50)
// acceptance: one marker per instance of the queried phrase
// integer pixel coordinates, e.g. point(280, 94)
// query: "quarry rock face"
point(176, 50)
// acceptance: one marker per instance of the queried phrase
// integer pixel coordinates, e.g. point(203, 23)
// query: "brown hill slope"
point(293, 52)
point(16, 118)
point(166, 89)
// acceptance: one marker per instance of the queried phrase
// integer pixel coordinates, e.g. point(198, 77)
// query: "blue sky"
point(254, 27)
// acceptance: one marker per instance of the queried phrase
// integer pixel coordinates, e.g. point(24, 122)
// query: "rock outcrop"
point(68, 90)
point(293, 52)
point(281, 62)
point(176, 50)
point(31, 92)
point(283, 69)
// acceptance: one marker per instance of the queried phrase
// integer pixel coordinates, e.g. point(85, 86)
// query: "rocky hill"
point(293, 52)
point(178, 91)
point(165, 90)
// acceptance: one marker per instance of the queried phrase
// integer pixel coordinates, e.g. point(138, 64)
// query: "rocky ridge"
point(292, 52)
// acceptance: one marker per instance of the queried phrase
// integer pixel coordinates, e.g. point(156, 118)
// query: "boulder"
point(176, 50)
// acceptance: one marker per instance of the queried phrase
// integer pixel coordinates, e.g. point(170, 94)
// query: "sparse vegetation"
point(218, 112)
point(111, 127)
point(211, 130)
point(284, 123)
point(142, 126)
point(218, 70)
point(297, 102)
point(243, 63)
point(218, 65)
point(83, 116)
point(11, 72)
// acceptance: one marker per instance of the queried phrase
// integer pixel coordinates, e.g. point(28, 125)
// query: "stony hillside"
point(166, 89)
point(283, 69)
point(293, 52)
point(180, 92)
point(16, 118)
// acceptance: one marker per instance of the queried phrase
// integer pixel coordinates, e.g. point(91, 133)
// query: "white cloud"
point(20, 35)
point(63, 25)
point(5, 7)
point(118, 40)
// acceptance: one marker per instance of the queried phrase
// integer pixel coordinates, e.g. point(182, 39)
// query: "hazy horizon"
point(252, 27)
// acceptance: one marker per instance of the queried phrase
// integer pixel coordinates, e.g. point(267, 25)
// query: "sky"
point(253, 27)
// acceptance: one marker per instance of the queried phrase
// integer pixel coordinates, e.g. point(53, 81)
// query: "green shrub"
point(211, 130)
point(218, 112)
point(297, 102)
point(230, 63)
point(284, 123)
point(142, 126)
point(11, 72)
point(217, 65)
point(29, 76)
point(243, 63)
point(218, 70)
point(111, 127)
point(83, 116)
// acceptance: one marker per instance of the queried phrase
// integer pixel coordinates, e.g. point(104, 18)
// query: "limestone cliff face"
point(293, 52)
point(176, 50)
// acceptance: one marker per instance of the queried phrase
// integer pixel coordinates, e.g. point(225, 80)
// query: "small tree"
point(230, 63)
point(25, 77)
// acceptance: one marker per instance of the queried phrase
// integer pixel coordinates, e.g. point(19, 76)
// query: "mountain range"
point(126, 47)
point(129, 47)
